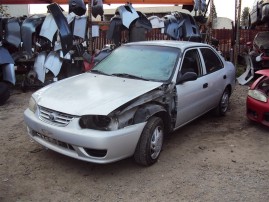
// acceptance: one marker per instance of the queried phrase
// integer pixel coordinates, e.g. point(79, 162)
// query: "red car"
point(258, 99)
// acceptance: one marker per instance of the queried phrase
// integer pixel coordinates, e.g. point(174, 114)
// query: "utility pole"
point(237, 21)
point(90, 44)
point(210, 23)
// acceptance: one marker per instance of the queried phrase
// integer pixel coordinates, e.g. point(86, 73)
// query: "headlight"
point(257, 95)
point(32, 105)
point(98, 122)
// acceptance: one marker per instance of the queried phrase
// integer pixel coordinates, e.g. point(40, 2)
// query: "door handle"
point(205, 85)
point(224, 77)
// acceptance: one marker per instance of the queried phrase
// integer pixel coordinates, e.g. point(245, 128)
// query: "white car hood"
point(90, 93)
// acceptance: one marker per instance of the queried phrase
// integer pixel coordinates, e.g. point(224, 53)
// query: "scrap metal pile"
point(257, 57)
point(41, 43)
point(46, 43)
point(177, 25)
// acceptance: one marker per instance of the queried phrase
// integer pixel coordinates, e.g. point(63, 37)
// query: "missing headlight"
point(101, 121)
point(98, 122)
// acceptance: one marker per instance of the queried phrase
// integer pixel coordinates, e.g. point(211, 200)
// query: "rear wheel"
point(150, 143)
point(223, 104)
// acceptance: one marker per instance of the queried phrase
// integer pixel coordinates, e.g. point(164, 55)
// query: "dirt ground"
point(211, 159)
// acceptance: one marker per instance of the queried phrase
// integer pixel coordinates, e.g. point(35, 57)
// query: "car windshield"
point(154, 63)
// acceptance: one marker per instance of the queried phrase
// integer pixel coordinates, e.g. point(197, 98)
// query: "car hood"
point(90, 93)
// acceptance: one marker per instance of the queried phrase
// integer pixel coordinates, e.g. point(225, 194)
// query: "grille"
point(55, 142)
point(54, 117)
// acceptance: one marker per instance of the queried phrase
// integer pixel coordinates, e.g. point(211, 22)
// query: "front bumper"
point(258, 111)
point(84, 144)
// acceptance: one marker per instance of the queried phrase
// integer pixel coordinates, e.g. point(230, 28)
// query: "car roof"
point(167, 43)
point(264, 72)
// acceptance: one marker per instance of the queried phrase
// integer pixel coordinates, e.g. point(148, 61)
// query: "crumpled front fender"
point(77, 6)
point(48, 28)
point(7, 66)
point(128, 14)
point(28, 27)
point(62, 24)
point(5, 57)
point(13, 32)
point(145, 112)
point(9, 73)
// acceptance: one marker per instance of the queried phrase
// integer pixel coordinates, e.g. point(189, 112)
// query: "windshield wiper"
point(129, 76)
point(99, 72)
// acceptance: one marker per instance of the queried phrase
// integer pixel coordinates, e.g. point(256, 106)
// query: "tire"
point(149, 146)
point(223, 106)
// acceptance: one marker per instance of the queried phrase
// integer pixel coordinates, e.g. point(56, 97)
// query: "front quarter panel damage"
point(159, 102)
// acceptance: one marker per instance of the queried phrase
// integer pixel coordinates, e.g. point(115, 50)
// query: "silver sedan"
point(130, 101)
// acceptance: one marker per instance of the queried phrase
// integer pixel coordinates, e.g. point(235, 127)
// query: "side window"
point(191, 62)
point(212, 61)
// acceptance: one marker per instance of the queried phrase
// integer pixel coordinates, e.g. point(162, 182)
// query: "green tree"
point(244, 21)
point(214, 11)
point(3, 11)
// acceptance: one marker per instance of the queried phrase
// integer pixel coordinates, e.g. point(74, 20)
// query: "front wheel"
point(222, 108)
point(149, 146)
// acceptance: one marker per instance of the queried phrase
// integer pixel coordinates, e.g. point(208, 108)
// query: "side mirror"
point(188, 76)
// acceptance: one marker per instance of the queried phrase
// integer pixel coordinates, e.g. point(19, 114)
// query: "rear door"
point(215, 74)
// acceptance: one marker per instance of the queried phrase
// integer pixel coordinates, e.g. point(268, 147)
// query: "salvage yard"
point(211, 159)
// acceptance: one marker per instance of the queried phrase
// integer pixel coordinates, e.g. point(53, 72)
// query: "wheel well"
point(166, 120)
point(147, 111)
point(229, 87)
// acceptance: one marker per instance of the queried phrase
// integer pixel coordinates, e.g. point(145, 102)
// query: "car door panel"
point(191, 95)
point(215, 74)
point(192, 98)
point(200, 96)
point(215, 89)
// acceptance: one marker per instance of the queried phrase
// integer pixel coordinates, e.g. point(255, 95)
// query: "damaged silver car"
point(131, 100)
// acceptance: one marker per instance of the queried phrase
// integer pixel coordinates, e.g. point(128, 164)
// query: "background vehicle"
point(130, 101)
point(257, 99)
point(259, 13)
point(261, 50)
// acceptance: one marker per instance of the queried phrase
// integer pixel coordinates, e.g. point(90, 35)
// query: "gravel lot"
point(211, 159)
